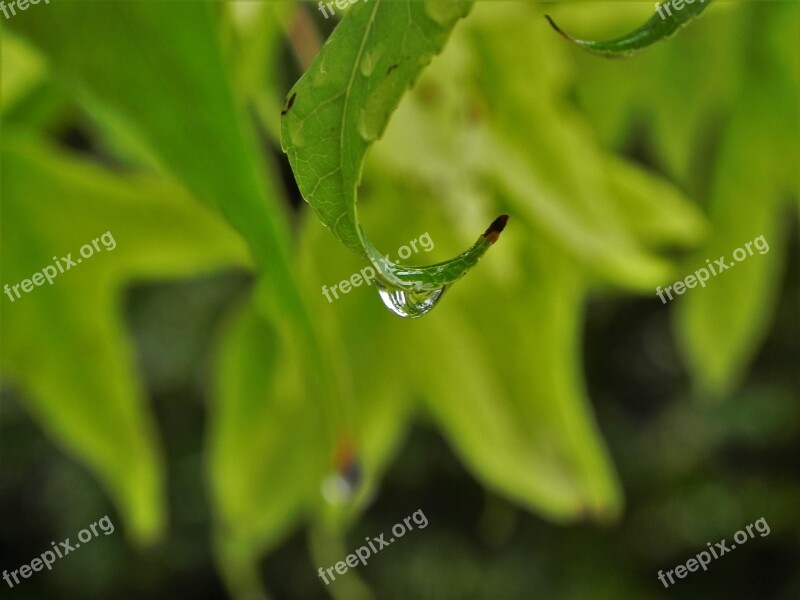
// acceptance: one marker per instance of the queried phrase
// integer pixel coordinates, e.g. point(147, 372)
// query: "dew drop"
point(370, 60)
point(341, 486)
point(409, 304)
point(337, 490)
point(444, 12)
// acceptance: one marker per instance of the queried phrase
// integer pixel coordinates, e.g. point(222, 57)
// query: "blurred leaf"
point(52, 206)
point(482, 123)
point(174, 98)
point(548, 161)
point(722, 325)
point(497, 367)
point(267, 454)
point(655, 211)
point(365, 337)
point(342, 104)
point(680, 108)
point(261, 412)
point(255, 57)
point(720, 139)
point(513, 405)
point(180, 107)
point(22, 70)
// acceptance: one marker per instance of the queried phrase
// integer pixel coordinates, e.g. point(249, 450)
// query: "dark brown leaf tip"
point(496, 228)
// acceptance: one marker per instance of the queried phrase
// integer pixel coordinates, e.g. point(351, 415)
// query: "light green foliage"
point(508, 119)
point(743, 95)
point(64, 344)
point(173, 108)
point(722, 328)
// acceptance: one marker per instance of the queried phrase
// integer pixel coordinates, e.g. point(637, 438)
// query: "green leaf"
point(174, 98)
point(494, 126)
point(667, 20)
point(656, 211)
point(255, 58)
point(342, 104)
point(722, 325)
point(499, 369)
point(707, 127)
point(267, 448)
point(261, 411)
point(646, 96)
point(381, 399)
point(23, 69)
point(94, 406)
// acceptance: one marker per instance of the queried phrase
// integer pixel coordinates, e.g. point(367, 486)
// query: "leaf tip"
point(496, 228)
point(558, 29)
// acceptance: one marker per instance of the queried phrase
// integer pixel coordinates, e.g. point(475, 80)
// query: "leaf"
point(342, 104)
point(660, 26)
point(255, 57)
point(509, 395)
point(658, 213)
point(499, 370)
point(173, 95)
point(174, 99)
point(721, 325)
point(22, 69)
point(260, 411)
point(641, 99)
point(722, 123)
point(267, 447)
point(94, 406)
point(370, 375)
point(496, 127)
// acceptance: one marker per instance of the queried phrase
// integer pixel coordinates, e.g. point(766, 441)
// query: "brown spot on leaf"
point(289, 104)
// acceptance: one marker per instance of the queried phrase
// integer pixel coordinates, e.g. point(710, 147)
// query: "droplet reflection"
point(409, 304)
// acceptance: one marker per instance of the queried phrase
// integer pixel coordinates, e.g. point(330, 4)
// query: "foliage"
point(182, 101)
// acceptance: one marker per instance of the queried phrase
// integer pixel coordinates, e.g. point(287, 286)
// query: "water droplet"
point(444, 12)
point(409, 304)
point(337, 490)
point(340, 487)
point(370, 60)
point(296, 133)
